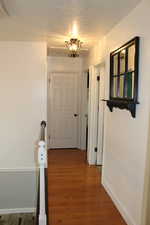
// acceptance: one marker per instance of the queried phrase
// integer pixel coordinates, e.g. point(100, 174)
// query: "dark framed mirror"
point(124, 63)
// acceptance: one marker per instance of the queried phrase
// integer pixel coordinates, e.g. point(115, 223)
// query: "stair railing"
point(42, 205)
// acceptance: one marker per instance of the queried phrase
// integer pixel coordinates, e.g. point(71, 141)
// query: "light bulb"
point(74, 30)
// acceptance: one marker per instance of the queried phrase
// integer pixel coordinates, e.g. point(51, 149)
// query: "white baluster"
point(42, 160)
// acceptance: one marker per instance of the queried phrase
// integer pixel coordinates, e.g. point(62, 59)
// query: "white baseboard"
point(19, 210)
point(118, 204)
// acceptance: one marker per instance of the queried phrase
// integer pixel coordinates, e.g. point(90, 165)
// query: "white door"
point(96, 115)
point(62, 113)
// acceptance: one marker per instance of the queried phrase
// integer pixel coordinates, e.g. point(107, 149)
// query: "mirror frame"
point(124, 102)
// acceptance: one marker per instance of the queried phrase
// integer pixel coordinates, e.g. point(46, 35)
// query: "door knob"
point(75, 115)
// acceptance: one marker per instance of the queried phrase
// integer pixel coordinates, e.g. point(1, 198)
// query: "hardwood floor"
point(76, 196)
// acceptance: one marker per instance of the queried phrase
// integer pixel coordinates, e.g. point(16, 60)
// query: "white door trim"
point(83, 104)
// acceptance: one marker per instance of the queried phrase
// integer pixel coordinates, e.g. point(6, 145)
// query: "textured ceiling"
point(52, 20)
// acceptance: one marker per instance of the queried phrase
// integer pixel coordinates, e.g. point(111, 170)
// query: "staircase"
point(18, 219)
point(40, 217)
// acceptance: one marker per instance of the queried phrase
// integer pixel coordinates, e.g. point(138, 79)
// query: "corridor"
point(76, 196)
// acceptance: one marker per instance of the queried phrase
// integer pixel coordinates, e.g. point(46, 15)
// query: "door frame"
point(95, 119)
point(81, 117)
point(83, 110)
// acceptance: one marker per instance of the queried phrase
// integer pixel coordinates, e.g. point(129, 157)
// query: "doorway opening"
point(87, 102)
point(96, 115)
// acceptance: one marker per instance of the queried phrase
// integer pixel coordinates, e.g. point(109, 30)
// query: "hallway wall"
point(125, 146)
point(17, 191)
point(23, 106)
point(23, 103)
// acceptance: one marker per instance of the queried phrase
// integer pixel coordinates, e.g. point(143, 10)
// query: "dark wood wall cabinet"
point(124, 63)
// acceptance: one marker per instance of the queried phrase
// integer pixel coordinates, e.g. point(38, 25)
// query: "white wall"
point(125, 147)
point(75, 65)
point(23, 106)
point(17, 191)
point(23, 102)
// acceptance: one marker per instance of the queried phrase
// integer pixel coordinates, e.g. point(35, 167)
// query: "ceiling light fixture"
point(74, 46)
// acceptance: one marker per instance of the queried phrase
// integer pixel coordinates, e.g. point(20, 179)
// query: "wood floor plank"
point(76, 196)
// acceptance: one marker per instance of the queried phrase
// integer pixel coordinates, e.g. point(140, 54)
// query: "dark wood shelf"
point(122, 104)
